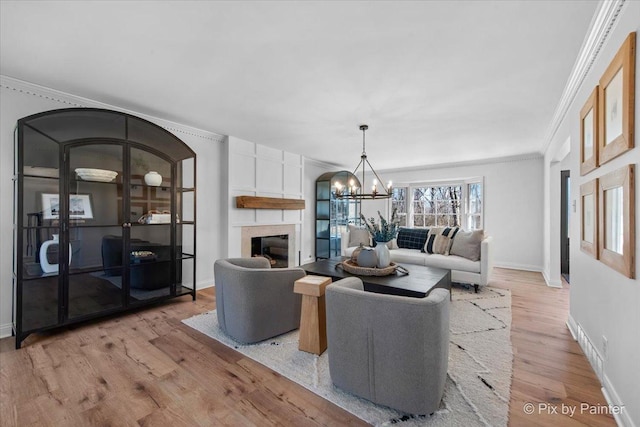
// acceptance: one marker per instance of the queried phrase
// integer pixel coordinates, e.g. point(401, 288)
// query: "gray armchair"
point(255, 302)
point(389, 349)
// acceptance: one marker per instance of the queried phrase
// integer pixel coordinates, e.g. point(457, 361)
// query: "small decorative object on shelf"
point(153, 178)
point(142, 256)
point(381, 234)
point(99, 175)
point(44, 261)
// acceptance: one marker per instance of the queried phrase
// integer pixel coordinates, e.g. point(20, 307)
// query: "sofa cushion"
point(451, 262)
point(349, 251)
point(412, 238)
point(449, 232)
point(358, 235)
point(467, 244)
point(409, 256)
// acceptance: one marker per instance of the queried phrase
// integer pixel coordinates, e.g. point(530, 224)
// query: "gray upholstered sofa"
point(477, 273)
point(255, 302)
point(389, 349)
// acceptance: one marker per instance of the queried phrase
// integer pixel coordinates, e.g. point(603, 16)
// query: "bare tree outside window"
point(399, 203)
point(437, 206)
point(440, 205)
point(475, 207)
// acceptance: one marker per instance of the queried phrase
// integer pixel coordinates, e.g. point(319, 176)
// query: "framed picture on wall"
point(589, 217)
point(589, 134)
point(616, 98)
point(79, 206)
point(616, 241)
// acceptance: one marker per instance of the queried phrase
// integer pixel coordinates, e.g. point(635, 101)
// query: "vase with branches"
point(385, 230)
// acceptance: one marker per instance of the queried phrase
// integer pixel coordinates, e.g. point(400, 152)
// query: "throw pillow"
point(358, 235)
point(449, 232)
point(441, 244)
point(467, 244)
point(412, 238)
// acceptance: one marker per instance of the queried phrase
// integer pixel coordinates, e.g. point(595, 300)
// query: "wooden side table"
point(313, 317)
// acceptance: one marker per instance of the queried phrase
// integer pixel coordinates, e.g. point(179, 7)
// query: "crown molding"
point(601, 25)
point(322, 164)
point(70, 100)
point(506, 159)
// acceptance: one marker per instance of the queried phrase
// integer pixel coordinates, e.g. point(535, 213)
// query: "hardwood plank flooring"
point(148, 369)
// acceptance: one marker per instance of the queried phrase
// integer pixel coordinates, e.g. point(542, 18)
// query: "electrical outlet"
point(605, 347)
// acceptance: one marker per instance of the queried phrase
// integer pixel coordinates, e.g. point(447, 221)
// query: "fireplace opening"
point(273, 248)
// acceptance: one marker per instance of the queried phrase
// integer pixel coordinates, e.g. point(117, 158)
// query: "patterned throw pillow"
point(412, 238)
point(449, 232)
point(441, 244)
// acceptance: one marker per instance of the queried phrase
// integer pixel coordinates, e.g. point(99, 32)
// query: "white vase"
point(153, 179)
point(44, 262)
point(384, 256)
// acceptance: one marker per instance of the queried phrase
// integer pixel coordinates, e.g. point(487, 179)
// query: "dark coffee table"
point(418, 283)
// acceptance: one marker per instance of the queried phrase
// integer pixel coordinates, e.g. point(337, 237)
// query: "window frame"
point(465, 201)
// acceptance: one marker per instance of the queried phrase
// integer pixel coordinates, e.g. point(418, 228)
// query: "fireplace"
point(274, 242)
point(273, 248)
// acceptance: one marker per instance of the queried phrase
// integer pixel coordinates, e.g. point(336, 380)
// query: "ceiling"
point(436, 81)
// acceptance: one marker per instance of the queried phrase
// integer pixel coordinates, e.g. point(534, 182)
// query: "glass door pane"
point(95, 237)
point(150, 259)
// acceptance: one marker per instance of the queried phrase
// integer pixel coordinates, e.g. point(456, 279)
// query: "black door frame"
point(564, 222)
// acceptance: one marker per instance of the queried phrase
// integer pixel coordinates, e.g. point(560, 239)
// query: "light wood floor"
point(148, 369)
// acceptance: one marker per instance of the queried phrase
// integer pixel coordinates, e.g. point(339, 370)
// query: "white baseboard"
point(206, 284)
point(516, 266)
point(551, 283)
point(573, 327)
point(613, 399)
point(6, 330)
point(623, 418)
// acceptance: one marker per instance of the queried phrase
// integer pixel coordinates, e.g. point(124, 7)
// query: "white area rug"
point(480, 364)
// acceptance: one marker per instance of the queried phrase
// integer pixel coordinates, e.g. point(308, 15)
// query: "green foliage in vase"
point(384, 231)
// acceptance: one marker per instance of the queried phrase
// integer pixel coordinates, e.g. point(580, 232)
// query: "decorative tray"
point(353, 268)
point(99, 175)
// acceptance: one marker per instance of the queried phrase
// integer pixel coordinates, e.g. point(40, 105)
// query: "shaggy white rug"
point(480, 364)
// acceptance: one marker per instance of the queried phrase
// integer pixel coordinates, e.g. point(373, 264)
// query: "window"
point(474, 206)
point(399, 202)
point(454, 204)
point(436, 206)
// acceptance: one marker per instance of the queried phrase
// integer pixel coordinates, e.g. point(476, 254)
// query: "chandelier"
point(352, 191)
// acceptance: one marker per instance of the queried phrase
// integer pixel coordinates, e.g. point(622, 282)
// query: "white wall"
point(604, 302)
point(512, 204)
point(18, 100)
